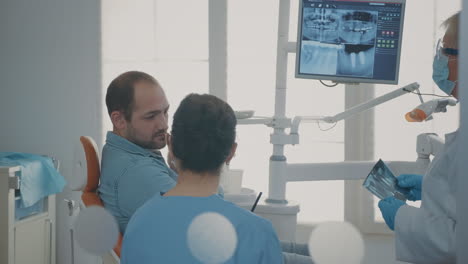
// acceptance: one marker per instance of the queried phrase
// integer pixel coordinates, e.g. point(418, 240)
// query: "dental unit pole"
point(277, 183)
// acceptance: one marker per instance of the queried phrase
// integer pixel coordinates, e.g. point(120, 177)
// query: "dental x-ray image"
point(319, 58)
point(321, 25)
point(358, 27)
point(382, 183)
point(356, 60)
point(338, 42)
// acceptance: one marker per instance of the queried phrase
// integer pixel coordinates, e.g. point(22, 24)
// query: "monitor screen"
point(351, 41)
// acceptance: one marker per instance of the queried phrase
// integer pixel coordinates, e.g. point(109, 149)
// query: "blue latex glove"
point(389, 207)
point(412, 182)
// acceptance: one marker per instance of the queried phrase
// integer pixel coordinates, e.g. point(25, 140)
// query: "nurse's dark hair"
point(203, 133)
point(451, 26)
point(121, 90)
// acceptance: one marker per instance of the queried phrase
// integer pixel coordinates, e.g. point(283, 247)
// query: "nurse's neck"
point(195, 184)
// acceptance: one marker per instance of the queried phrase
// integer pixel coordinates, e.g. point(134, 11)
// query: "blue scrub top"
point(157, 233)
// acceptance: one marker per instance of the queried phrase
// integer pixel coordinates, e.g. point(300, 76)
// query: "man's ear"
point(232, 153)
point(118, 120)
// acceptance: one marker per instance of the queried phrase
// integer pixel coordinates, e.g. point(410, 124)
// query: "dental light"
point(424, 111)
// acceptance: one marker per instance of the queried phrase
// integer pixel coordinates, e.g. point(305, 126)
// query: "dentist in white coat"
point(427, 234)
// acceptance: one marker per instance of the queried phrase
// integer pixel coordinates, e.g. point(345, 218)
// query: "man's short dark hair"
point(203, 133)
point(120, 93)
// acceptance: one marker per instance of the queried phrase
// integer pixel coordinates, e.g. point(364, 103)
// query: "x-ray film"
point(382, 183)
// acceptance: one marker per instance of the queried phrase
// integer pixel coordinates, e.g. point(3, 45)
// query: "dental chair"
point(89, 195)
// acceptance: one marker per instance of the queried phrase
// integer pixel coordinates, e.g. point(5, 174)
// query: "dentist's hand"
point(412, 182)
point(389, 207)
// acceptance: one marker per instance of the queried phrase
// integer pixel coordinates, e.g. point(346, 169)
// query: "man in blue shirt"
point(132, 168)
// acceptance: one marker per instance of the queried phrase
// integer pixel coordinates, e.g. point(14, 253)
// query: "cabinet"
point(26, 236)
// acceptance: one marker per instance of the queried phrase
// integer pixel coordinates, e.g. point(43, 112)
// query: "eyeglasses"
point(440, 49)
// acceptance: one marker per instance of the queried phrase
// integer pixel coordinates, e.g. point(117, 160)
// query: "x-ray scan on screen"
point(350, 41)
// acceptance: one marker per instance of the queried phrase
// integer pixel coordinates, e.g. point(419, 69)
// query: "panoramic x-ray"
point(338, 42)
point(382, 183)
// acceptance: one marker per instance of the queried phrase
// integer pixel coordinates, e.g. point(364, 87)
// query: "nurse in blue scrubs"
point(202, 140)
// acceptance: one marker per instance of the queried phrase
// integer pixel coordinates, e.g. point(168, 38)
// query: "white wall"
point(50, 84)
point(154, 48)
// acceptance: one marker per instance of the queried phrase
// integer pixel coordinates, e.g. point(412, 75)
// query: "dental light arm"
point(372, 103)
point(356, 109)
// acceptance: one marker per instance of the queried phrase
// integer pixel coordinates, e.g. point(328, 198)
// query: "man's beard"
point(146, 144)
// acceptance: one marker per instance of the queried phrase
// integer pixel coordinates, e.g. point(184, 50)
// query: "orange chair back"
point(89, 195)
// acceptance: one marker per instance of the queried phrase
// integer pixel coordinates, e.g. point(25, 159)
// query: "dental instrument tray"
point(382, 183)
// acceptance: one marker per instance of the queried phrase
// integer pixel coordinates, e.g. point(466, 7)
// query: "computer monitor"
point(350, 41)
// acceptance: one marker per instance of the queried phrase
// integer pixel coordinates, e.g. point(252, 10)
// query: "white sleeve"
point(424, 238)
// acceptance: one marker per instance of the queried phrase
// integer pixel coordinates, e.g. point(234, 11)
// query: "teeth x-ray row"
point(338, 42)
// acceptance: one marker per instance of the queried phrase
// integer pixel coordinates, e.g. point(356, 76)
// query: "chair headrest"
point(92, 163)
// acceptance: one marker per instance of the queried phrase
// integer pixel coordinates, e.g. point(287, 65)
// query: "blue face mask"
point(440, 73)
